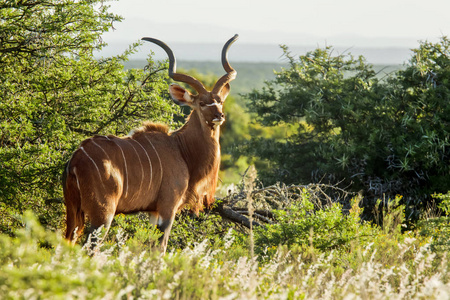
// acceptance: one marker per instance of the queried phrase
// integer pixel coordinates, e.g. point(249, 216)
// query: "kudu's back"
point(109, 175)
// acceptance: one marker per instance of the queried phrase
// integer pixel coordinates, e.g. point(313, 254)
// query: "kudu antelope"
point(151, 170)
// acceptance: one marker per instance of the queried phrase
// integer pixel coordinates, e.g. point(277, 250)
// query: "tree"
point(383, 137)
point(55, 93)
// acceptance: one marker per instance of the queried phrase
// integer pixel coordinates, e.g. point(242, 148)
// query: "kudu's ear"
point(180, 96)
point(224, 92)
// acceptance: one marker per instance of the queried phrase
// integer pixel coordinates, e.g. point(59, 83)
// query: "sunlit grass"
point(37, 264)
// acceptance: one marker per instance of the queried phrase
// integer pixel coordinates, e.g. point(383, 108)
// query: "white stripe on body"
point(125, 162)
point(159, 159)
point(103, 150)
point(150, 162)
point(111, 170)
point(96, 167)
point(142, 167)
point(76, 177)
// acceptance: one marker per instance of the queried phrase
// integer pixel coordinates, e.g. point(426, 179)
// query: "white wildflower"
point(228, 239)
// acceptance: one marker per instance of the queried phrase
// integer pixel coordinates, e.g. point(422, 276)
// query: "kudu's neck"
point(199, 144)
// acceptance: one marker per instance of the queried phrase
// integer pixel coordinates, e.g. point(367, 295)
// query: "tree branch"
point(229, 214)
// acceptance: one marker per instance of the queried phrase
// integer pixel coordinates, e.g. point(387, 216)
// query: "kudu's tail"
point(72, 197)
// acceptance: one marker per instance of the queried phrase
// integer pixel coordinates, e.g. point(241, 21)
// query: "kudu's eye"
point(202, 103)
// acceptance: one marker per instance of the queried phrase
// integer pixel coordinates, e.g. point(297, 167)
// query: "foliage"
point(323, 229)
point(439, 230)
point(385, 137)
point(302, 227)
point(444, 205)
point(188, 229)
point(136, 229)
point(436, 225)
point(389, 214)
point(55, 93)
point(38, 264)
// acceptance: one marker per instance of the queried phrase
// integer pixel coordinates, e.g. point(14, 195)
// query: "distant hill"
point(250, 75)
point(260, 53)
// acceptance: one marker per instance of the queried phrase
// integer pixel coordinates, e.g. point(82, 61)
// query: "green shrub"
point(136, 230)
point(382, 137)
point(438, 227)
point(444, 204)
point(312, 232)
point(55, 93)
point(324, 230)
point(439, 230)
point(39, 264)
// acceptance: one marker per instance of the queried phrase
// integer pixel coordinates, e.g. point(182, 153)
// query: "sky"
point(340, 23)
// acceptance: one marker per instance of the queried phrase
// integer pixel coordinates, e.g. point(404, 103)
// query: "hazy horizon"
point(383, 31)
point(257, 52)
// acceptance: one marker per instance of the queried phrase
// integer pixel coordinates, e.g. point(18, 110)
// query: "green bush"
point(384, 137)
point(438, 227)
point(439, 230)
point(55, 93)
point(326, 229)
point(39, 264)
point(135, 229)
point(444, 204)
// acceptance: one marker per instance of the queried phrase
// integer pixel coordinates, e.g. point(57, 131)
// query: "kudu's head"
point(207, 104)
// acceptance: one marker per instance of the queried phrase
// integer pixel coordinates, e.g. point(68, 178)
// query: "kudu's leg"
point(75, 224)
point(165, 226)
point(71, 222)
point(153, 215)
point(72, 199)
point(170, 200)
point(162, 225)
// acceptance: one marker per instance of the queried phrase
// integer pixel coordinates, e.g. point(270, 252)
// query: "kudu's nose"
point(219, 115)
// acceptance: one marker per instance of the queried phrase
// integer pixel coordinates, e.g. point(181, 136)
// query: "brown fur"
point(148, 126)
point(184, 170)
point(151, 170)
point(203, 164)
